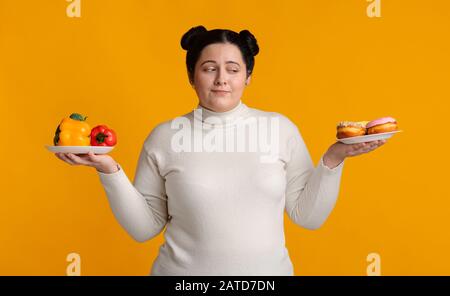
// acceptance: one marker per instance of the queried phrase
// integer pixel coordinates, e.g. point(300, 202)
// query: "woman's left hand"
point(339, 151)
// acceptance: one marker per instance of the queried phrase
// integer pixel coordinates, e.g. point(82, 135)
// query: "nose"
point(220, 78)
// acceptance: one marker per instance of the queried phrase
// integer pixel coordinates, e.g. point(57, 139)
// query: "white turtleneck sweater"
point(223, 208)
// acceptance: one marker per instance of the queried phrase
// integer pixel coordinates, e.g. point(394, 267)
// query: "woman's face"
point(220, 77)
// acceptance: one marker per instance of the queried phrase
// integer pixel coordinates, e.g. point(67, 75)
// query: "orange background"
point(320, 62)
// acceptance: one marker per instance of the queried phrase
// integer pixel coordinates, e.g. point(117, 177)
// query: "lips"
point(220, 92)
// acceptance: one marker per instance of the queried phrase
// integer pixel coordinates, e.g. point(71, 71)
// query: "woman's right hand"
point(102, 162)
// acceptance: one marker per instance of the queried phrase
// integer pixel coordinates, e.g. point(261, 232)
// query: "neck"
point(225, 118)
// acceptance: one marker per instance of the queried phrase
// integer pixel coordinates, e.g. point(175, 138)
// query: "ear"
point(191, 79)
point(247, 82)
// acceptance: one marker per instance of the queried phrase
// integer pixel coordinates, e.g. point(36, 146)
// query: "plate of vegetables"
point(74, 135)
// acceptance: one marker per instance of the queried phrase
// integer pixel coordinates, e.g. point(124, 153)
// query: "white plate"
point(368, 138)
point(80, 149)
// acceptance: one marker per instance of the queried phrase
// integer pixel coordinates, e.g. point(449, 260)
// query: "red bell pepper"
point(101, 135)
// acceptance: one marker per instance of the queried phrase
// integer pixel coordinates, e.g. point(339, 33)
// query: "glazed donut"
point(347, 129)
point(381, 125)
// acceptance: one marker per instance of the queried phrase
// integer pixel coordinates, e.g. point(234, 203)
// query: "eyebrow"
point(227, 62)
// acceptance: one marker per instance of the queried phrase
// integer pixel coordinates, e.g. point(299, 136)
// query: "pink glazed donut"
point(381, 125)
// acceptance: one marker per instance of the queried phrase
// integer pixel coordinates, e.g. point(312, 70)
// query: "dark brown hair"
point(199, 37)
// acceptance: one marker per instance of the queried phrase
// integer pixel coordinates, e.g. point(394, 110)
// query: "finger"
point(374, 144)
point(58, 155)
point(377, 144)
point(366, 149)
point(84, 157)
point(373, 147)
point(370, 145)
point(355, 153)
point(66, 159)
point(92, 156)
point(78, 160)
point(354, 148)
point(358, 149)
point(358, 146)
point(361, 148)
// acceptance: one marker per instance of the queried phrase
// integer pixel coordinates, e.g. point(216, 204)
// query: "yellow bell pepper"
point(73, 131)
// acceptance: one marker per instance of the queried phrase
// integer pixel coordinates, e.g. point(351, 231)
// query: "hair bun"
point(250, 40)
point(189, 37)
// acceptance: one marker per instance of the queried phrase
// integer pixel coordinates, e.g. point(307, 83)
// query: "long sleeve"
point(311, 192)
point(140, 208)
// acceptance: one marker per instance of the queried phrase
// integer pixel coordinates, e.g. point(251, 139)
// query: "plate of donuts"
point(368, 138)
point(353, 132)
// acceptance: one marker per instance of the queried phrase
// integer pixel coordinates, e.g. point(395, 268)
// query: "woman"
point(223, 207)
